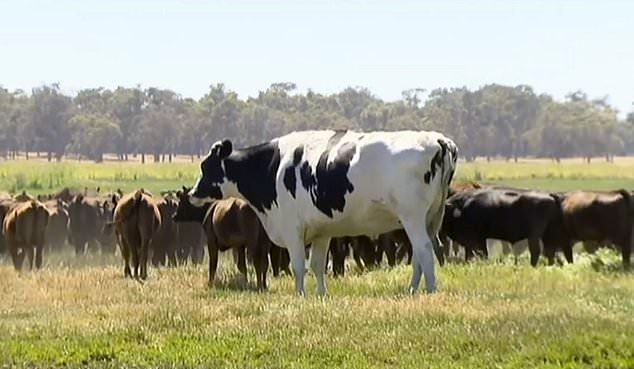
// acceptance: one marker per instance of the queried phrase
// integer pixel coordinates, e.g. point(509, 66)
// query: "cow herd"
point(327, 194)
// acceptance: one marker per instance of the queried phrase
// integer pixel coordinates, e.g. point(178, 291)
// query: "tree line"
point(492, 121)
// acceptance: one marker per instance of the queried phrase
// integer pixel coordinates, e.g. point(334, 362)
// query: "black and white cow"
point(310, 186)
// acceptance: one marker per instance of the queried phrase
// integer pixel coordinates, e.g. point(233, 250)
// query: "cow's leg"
point(212, 248)
point(422, 252)
point(356, 255)
point(518, 248)
point(241, 262)
point(198, 253)
point(30, 254)
point(145, 247)
point(297, 253)
point(159, 252)
point(275, 255)
point(535, 249)
point(285, 261)
point(567, 248)
point(38, 255)
point(468, 252)
point(388, 246)
point(17, 254)
point(261, 263)
point(318, 262)
point(80, 244)
point(125, 252)
point(134, 251)
point(455, 246)
point(507, 248)
point(433, 230)
point(626, 249)
point(339, 253)
point(170, 250)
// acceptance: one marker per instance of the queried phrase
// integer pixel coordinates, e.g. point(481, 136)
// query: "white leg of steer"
point(422, 253)
point(318, 255)
point(297, 253)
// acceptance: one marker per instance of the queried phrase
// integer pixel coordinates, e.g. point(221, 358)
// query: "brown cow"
point(136, 220)
point(189, 242)
point(24, 228)
point(164, 242)
point(86, 222)
point(57, 229)
point(280, 260)
point(229, 224)
point(598, 216)
point(5, 206)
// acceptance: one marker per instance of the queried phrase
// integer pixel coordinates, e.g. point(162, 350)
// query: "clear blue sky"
point(388, 46)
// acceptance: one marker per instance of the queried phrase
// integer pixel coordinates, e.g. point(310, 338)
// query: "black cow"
point(473, 216)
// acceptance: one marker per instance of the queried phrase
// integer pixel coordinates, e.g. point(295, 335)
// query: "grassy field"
point(81, 312)
point(38, 176)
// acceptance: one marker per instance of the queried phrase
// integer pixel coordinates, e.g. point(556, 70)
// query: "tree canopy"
point(494, 120)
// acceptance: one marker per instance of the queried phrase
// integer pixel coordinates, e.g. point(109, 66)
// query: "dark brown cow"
point(599, 217)
point(86, 222)
point(396, 247)
point(136, 220)
point(473, 216)
point(189, 242)
point(108, 241)
point(164, 242)
point(57, 229)
point(339, 250)
point(229, 224)
point(280, 260)
point(5, 206)
point(24, 228)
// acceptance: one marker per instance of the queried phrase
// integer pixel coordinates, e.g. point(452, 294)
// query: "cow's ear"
point(225, 149)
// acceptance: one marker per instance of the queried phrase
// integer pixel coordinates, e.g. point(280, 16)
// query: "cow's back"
point(500, 214)
point(348, 182)
point(593, 215)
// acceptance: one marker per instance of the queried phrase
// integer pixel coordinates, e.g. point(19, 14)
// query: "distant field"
point(38, 176)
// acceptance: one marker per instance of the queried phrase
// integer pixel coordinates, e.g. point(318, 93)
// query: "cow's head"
point(185, 211)
point(208, 187)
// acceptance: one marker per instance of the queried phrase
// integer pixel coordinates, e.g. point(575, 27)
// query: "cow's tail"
point(449, 152)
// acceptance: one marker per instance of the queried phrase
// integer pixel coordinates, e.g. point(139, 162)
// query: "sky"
point(555, 46)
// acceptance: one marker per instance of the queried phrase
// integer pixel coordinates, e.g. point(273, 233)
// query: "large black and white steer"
point(307, 187)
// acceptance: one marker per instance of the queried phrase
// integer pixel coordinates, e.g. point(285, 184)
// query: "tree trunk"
point(515, 158)
point(142, 158)
point(170, 157)
point(157, 158)
point(27, 154)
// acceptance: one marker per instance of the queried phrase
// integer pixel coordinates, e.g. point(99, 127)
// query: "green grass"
point(36, 176)
point(85, 314)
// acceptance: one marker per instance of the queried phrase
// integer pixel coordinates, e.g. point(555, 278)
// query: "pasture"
point(81, 312)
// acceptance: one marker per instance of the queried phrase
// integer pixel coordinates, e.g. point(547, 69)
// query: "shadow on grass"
point(234, 282)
